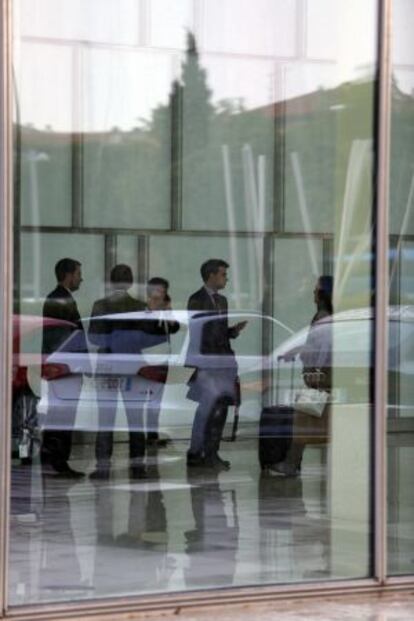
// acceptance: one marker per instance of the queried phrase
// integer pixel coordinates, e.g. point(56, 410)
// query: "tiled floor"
point(177, 530)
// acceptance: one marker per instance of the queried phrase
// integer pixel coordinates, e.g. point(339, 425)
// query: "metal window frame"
point(177, 601)
point(381, 248)
point(6, 288)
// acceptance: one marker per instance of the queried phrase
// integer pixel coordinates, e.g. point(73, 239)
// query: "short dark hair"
point(155, 283)
point(65, 266)
point(325, 286)
point(121, 273)
point(211, 266)
point(158, 281)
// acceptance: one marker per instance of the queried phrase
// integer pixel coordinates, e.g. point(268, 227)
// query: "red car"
point(27, 354)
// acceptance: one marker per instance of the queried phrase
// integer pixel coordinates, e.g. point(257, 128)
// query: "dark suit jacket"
point(60, 304)
point(103, 332)
point(213, 341)
point(216, 334)
point(125, 336)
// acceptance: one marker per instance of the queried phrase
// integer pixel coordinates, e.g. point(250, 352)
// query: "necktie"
point(216, 299)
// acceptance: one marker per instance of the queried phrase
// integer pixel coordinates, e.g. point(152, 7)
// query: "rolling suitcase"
point(275, 426)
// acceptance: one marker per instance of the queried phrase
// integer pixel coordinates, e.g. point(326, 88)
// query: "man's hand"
point(238, 327)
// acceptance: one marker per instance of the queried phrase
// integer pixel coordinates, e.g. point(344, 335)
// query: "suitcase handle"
point(289, 357)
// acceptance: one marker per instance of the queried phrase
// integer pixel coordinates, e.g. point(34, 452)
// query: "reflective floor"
point(176, 530)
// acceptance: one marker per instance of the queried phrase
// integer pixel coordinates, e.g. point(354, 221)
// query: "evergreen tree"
point(195, 96)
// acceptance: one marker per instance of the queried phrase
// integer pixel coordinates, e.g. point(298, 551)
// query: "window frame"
point(168, 601)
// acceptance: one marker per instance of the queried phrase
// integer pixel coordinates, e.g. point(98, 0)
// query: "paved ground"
point(391, 607)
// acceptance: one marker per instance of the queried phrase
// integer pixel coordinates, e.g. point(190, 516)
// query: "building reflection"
point(131, 536)
point(60, 568)
point(212, 545)
point(293, 538)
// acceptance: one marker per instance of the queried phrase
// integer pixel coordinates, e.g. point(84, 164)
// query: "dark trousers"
point(208, 425)
point(56, 448)
point(153, 417)
point(59, 424)
point(104, 448)
point(215, 428)
point(104, 438)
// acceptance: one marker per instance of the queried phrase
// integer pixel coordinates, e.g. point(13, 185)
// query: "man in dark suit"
point(123, 336)
point(116, 337)
point(60, 304)
point(212, 385)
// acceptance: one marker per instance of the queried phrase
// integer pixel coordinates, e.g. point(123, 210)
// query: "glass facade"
point(401, 396)
point(195, 244)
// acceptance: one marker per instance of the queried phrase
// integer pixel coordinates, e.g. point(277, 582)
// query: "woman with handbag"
point(311, 417)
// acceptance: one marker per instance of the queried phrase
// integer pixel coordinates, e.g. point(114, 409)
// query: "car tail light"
point(155, 373)
point(54, 371)
point(19, 376)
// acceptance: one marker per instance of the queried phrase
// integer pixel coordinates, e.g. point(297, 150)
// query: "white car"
point(152, 370)
point(351, 334)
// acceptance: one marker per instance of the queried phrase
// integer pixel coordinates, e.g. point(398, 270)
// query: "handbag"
point(311, 401)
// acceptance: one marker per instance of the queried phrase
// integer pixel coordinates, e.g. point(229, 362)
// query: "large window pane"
point(102, 20)
point(126, 152)
point(305, 256)
point(169, 256)
point(227, 162)
point(40, 252)
point(267, 28)
point(169, 22)
point(400, 332)
point(44, 159)
point(161, 441)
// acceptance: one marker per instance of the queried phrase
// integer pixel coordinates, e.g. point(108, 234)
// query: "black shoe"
point(211, 461)
point(283, 469)
point(195, 460)
point(62, 470)
point(137, 472)
point(162, 442)
point(221, 462)
point(158, 442)
point(69, 473)
point(99, 475)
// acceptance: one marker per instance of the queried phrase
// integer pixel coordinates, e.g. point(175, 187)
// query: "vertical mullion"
point(142, 264)
point(381, 296)
point(327, 255)
point(6, 288)
point(110, 259)
point(176, 165)
point(267, 311)
point(144, 25)
point(77, 140)
point(279, 169)
point(77, 179)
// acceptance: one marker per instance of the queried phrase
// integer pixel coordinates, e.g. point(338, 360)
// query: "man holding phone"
point(214, 387)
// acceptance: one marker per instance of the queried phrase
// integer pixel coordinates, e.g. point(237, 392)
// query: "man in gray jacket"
point(113, 336)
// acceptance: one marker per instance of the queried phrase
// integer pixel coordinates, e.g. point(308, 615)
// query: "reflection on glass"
point(266, 29)
point(213, 529)
point(102, 20)
point(240, 132)
point(223, 161)
point(401, 310)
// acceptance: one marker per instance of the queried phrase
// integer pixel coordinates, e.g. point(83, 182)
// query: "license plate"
point(113, 384)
